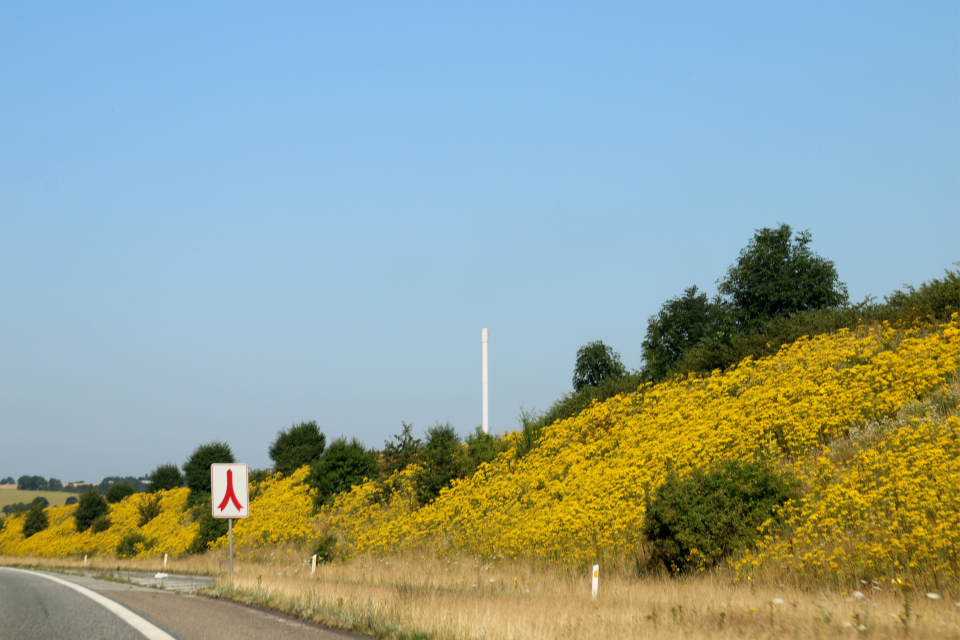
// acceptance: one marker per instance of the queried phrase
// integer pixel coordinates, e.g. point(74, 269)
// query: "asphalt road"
point(35, 607)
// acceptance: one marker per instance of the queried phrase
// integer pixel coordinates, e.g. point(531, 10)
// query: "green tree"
point(596, 362)
point(90, 507)
point(342, 466)
point(399, 453)
point(681, 324)
point(776, 277)
point(441, 461)
point(166, 477)
point(36, 520)
point(300, 445)
point(197, 468)
point(118, 492)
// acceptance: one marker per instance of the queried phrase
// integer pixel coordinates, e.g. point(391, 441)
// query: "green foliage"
point(325, 548)
point(682, 324)
point(166, 477)
point(210, 530)
point(197, 468)
point(776, 277)
point(101, 523)
point(596, 362)
point(441, 461)
point(71, 500)
point(37, 483)
point(481, 447)
point(118, 492)
point(936, 300)
point(127, 548)
point(342, 466)
point(149, 509)
point(696, 521)
point(22, 507)
point(300, 445)
point(90, 507)
point(36, 520)
point(401, 452)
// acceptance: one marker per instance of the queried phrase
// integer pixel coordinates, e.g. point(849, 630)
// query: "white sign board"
point(229, 490)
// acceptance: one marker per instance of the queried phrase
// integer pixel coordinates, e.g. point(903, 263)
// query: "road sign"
point(229, 490)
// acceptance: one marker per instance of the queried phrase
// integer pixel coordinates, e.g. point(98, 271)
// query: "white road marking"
point(150, 631)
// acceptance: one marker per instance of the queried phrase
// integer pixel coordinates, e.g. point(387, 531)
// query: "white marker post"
point(484, 338)
point(596, 581)
point(230, 493)
point(313, 565)
point(164, 561)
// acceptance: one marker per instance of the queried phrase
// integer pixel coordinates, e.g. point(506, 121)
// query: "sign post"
point(230, 493)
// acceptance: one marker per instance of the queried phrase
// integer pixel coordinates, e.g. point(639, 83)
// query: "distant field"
point(13, 496)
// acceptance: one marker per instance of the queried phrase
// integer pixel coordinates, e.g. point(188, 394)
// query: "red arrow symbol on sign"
point(230, 495)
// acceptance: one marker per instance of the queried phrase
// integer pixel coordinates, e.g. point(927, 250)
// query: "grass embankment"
point(13, 496)
point(457, 598)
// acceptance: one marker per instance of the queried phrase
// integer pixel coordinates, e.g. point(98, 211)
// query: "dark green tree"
point(442, 460)
point(197, 468)
point(596, 362)
point(36, 520)
point(91, 506)
point(166, 477)
point(118, 492)
point(342, 466)
point(682, 324)
point(775, 276)
point(300, 445)
point(401, 451)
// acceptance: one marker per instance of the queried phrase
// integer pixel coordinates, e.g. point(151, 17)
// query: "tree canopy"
point(681, 324)
point(165, 477)
point(596, 362)
point(343, 465)
point(197, 466)
point(300, 445)
point(776, 277)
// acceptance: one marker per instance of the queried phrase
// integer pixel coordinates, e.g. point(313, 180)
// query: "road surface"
point(37, 605)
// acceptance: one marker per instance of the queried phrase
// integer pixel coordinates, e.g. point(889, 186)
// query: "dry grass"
point(458, 598)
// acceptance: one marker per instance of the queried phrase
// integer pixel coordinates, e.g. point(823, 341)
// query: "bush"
point(71, 500)
point(197, 468)
point(696, 521)
point(90, 507)
point(211, 529)
point(102, 523)
point(300, 445)
point(118, 492)
point(127, 548)
point(166, 477)
point(343, 465)
point(149, 509)
point(441, 461)
point(36, 520)
point(325, 548)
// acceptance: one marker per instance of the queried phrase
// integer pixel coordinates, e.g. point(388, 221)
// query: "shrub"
point(325, 548)
point(36, 520)
point(71, 500)
point(127, 548)
point(197, 468)
point(211, 529)
point(166, 477)
point(118, 492)
point(441, 461)
point(300, 445)
point(149, 509)
point(90, 507)
point(101, 524)
point(343, 465)
point(696, 521)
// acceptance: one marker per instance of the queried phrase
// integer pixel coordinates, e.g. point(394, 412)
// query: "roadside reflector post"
point(313, 565)
point(596, 581)
point(165, 561)
point(230, 496)
point(84, 559)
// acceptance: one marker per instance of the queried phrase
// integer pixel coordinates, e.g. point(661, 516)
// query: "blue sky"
point(220, 219)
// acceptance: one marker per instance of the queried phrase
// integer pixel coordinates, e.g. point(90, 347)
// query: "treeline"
point(39, 483)
point(777, 291)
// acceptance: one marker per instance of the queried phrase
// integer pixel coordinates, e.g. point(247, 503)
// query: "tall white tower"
point(484, 338)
